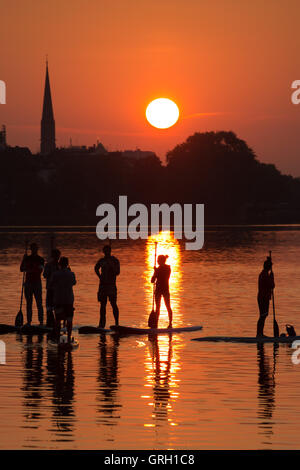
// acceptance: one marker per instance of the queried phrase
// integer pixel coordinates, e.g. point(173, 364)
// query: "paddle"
point(19, 320)
point(152, 316)
point(275, 324)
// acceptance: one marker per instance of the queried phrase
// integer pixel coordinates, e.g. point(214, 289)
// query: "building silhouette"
point(47, 122)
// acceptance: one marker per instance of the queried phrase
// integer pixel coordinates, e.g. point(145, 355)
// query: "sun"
point(162, 113)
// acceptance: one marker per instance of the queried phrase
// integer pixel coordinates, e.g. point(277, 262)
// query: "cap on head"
point(64, 262)
point(107, 249)
point(55, 253)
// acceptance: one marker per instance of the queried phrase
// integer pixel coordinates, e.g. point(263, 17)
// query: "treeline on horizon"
point(214, 168)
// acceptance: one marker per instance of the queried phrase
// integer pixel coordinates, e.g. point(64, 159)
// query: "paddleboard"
point(139, 331)
point(248, 339)
point(24, 330)
point(34, 330)
point(63, 344)
point(89, 330)
point(7, 329)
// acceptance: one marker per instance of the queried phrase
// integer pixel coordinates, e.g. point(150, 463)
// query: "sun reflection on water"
point(162, 363)
point(162, 358)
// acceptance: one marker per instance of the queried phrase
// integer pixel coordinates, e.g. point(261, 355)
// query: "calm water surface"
point(166, 392)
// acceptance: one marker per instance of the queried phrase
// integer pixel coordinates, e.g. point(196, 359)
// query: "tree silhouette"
point(222, 171)
point(214, 168)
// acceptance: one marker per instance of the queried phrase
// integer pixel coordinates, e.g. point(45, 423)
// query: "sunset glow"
point(162, 113)
point(150, 230)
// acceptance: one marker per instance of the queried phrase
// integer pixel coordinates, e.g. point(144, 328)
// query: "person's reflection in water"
point(62, 381)
point(33, 377)
point(266, 389)
point(108, 380)
point(162, 374)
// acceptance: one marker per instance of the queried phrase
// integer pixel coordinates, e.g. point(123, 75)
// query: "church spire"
point(47, 122)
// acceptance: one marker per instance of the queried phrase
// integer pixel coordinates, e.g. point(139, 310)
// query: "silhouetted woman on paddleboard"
point(161, 276)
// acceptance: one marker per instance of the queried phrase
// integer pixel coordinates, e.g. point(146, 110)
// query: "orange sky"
point(232, 60)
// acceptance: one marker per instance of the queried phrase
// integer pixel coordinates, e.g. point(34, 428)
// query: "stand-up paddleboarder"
point(33, 266)
point(107, 270)
point(62, 282)
point(50, 268)
point(265, 288)
point(161, 276)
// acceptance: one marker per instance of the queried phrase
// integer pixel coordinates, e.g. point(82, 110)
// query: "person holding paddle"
point(33, 266)
point(161, 277)
point(265, 293)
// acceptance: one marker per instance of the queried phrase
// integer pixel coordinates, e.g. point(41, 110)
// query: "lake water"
point(166, 392)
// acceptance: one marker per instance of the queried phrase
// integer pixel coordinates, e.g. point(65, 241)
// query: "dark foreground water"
point(166, 392)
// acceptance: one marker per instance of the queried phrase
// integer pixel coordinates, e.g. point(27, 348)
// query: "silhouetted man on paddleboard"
point(62, 282)
point(265, 286)
point(161, 276)
point(33, 265)
point(107, 269)
point(51, 267)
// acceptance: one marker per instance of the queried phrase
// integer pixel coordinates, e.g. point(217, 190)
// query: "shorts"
point(64, 312)
point(109, 292)
point(263, 305)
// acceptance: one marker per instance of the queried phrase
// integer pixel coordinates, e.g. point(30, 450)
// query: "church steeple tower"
point(47, 122)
